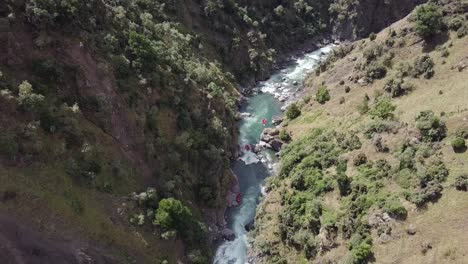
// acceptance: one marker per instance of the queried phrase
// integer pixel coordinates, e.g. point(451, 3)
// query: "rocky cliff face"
point(357, 19)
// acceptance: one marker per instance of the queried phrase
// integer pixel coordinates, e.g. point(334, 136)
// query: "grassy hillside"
point(377, 168)
point(118, 117)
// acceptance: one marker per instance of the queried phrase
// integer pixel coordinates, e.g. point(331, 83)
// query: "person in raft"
point(264, 121)
point(247, 147)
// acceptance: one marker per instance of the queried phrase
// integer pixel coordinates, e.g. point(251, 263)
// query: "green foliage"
point(431, 127)
point(397, 87)
point(363, 107)
point(173, 215)
point(382, 109)
point(372, 36)
point(29, 100)
point(456, 23)
point(378, 126)
point(423, 65)
point(284, 136)
point(461, 182)
point(428, 19)
point(360, 253)
point(293, 111)
point(373, 52)
point(85, 167)
point(147, 53)
point(458, 144)
point(8, 144)
point(322, 95)
point(375, 71)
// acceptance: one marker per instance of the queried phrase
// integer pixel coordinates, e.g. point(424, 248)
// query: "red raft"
point(239, 198)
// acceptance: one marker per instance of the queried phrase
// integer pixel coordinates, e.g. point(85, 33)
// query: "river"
point(251, 169)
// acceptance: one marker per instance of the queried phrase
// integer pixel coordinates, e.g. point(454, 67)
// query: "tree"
point(428, 20)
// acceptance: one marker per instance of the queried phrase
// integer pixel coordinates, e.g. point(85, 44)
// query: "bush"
point(363, 108)
point(360, 159)
point(428, 19)
point(376, 71)
point(459, 144)
point(293, 111)
point(29, 100)
point(397, 87)
point(8, 145)
point(462, 31)
point(323, 95)
point(173, 215)
point(382, 109)
point(372, 36)
point(423, 65)
point(284, 136)
point(431, 127)
point(361, 253)
point(456, 23)
point(373, 52)
point(461, 182)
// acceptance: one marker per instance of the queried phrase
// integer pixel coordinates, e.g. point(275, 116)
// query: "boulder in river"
point(228, 234)
point(276, 144)
point(250, 226)
point(271, 131)
point(277, 120)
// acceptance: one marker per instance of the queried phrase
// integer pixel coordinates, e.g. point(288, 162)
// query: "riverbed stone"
point(276, 144)
point(228, 234)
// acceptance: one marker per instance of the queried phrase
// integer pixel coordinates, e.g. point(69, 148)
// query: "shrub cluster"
point(430, 126)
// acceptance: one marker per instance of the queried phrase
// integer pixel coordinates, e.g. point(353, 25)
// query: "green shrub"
point(382, 109)
point(461, 182)
point(361, 253)
point(378, 126)
point(431, 127)
point(397, 87)
point(428, 19)
point(173, 215)
point(323, 95)
point(293, 112)
point(373, 52)
point(458, 144)
point(29, 100)
point(363, 108)
point(360, 159)
point(376, 71)
point(423, 65)
point(284, 136)
point(456, 23)
point(462, 31)
point(372, 36)
point(8, 145)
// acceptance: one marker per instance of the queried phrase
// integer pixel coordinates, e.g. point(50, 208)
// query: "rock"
point(282, 99)
point(426, 246)
point(228, 234)
point(277, 120)
point(244, 115)
point(384, 238)
point(266, 138)
point(363, 81)
point(264, 144)
point(295, 83)
point(271, 131)
point(411, 229)
point(250, 226)
point(377, 219)
point(276, 144)
point(461, 66)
